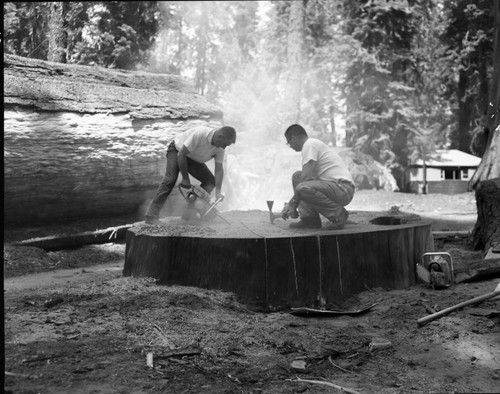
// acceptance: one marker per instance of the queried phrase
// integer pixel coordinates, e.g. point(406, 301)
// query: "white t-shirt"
point(198, 140)
point(329, 165)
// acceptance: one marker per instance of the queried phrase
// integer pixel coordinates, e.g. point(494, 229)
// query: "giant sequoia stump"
point(273, 267)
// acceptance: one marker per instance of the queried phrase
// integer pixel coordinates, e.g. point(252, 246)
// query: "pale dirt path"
point(64, 277)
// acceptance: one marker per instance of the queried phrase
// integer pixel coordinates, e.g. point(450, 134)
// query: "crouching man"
point(323, 187)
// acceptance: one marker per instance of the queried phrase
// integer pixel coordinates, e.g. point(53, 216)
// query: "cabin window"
point(465, 174)
point(450, 174)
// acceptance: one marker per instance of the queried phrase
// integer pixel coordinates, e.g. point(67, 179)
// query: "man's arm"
point(309, 171)
point(219, 175)
point(183, 168)
point(308, 174)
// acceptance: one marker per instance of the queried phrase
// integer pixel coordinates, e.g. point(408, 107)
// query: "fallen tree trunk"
point(477, 270)
point(72, 241)
point(84, 141)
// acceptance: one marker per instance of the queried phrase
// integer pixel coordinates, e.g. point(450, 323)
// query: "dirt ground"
point(74, 324)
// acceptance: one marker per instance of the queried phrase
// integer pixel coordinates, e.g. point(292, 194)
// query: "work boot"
point(340, 221)
point(153, 220)
point(311, 222)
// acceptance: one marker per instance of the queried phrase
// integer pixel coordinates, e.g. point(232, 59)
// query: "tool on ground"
point(202, 202)
point(332, 312)
point(436, 269)
point(475, 300)
point(272, 215)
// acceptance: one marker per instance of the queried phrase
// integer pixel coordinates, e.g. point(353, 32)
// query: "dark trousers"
point(199, 171)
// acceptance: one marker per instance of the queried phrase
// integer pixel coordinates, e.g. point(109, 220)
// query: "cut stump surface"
point(273, 267)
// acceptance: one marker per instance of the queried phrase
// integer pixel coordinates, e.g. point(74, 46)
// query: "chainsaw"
point(203, 203)
point(436, 269)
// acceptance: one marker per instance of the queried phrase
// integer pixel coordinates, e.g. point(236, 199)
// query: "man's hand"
point(219, 195)
point(185, 183)
point(290, 211)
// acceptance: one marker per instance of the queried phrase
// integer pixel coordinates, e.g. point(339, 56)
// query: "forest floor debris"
point(97, 336)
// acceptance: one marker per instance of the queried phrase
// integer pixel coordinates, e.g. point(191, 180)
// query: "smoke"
point(259, 166)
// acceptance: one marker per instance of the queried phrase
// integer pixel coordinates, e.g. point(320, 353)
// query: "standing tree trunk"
point(201, 46)
point(332, 124)
point(486, 179)
point(489, 167)
point(486, 234)
point(461, 139)
point(294, 60)
point(493, 115)
point(57, 35)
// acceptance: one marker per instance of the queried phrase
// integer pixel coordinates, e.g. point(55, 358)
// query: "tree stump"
point(272, 267)
point(486, 233)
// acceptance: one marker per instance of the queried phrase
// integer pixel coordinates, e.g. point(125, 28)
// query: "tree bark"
point(461, 138)
point(294, 63)
point(333, 137)
point(85, 141)
point(72, 241)
point(471, 271)
point(202, 50)
point(271, 267)
point(57, 34)
point(493, 115)
point(489, 167)
point(486, 233)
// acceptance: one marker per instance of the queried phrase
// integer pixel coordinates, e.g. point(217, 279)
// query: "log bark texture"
point(489, 168)
point(486, 233)
point(272, 267)
point(84, 141)
point(74, 241)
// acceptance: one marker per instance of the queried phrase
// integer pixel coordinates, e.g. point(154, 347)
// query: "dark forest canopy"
point(397, 78)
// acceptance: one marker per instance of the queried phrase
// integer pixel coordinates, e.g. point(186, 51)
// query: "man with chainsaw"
point(323, 186)
point(187, 154)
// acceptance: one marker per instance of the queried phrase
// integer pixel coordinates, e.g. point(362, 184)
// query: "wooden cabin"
point(445, 172)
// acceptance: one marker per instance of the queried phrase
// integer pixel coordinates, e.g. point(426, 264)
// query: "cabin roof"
point(450, 158)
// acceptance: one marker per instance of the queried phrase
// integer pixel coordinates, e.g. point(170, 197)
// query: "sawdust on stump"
point(256, 223)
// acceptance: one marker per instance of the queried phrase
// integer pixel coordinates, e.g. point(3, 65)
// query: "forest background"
point(395, 79)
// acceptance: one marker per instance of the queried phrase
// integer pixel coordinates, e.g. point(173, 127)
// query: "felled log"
point(71, 241)
point(486, 233)
point(476, 270)
point(84, 141)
